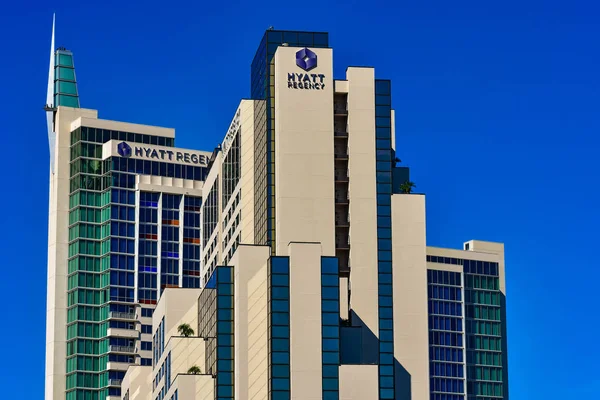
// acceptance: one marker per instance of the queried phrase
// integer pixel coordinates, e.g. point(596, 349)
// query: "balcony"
point(122, 349)
point(341, 221)
point(121, 315)
point(340, 133)
point(115, 382)
point(342, 245)
point(341, 153)
point(118, 366)
point(339, 109)
point(126, 333)
point(341, 178)
point(341, 200)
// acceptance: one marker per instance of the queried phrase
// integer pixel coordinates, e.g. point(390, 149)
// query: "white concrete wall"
point(137, 382)
point(186, 352)
point(247, 171)
point(92, 121)
point(362, 189)
point(359, 382)
point(58, 252)
point(258, 336)
point(304, 184)
point(411, 339)
point(305, 321)
point(250, 265)
point(178, 306)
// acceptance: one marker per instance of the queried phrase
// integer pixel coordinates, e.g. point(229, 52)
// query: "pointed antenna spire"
point(50, 100)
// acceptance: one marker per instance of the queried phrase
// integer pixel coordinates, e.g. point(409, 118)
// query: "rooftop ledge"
point(122, 126)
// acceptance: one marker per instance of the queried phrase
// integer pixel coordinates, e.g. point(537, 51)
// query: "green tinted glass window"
point(66, 73)
point(65, 59)
point(67, 87)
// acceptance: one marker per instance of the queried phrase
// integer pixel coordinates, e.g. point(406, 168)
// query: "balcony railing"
point(115, 382)
point(341, 221)
point(342, 245)
point(340, 110)
point(340, 133)
point(122, 315)
point(122, 349)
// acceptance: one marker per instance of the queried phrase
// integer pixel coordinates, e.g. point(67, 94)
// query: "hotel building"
point(295, 251)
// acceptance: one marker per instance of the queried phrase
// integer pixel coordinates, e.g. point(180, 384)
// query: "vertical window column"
point(169, 246)
point(148, 248)
point(330, 325)
point(225, 332)
point(383, 128)
point(279, 328)
point(446, 344)
point(191, 242)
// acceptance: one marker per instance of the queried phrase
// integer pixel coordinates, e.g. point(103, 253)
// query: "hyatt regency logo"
point(307, 60)
point(124, 149)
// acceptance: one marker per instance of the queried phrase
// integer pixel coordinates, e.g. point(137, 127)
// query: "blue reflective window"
point(224, 391)
point(280, 306)
point(330, 306)
point(330, 318)
point(330, 280)
point(280, 331)
point(279, 265)
point(284, 395)
point(280, 384)
point(330, 293)
point(331, 357)
point(331, 345)
point(279, 293)
point(280, 344)
point(331, 332)
point(280, 358)
point(280, 318)
point(279, 280)
point(329, 265)
point(280, 371)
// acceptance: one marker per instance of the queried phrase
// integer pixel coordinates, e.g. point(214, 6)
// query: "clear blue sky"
point(497, 114)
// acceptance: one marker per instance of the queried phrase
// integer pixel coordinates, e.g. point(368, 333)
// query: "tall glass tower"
point(263, 88)
point(124, 224)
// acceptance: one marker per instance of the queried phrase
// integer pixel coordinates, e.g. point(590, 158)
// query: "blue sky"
point(496, 114)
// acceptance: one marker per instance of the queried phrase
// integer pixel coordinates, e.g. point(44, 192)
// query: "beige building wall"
point(212, 249)
point(362, 190)
point(359, 382)
point(305, 321)
point(136, 383)
point(193, 387)
point(304, 180)
point(250, 321)
point(247, 170)
point(177, 305)
point(258, 340)
point(58, 251)
point(411, 338)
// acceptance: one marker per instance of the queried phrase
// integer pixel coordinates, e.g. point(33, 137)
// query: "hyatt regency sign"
point(169, 154)
point(307, 60)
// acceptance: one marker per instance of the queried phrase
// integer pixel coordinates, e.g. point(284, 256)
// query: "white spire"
point(50, 100)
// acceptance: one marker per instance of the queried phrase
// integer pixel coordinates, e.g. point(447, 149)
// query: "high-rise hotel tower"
point(290, 262)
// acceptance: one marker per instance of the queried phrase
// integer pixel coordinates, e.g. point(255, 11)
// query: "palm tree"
point(194, 370)
point(407, 187)
point(185, 330)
